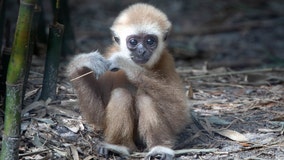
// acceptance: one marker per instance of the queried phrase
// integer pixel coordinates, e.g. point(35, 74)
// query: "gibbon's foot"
point(105, 150)
point(161, 153)
point(160, 156)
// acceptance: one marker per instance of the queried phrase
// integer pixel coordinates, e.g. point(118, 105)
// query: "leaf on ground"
point(60, 152)
point(90, 157)
point(280, 118)
point(58, 110)
point(36, 140)
point(267, 130)
point(45, 120)
point(32, 106)
point(218, 121)
point(72, 124)
point(260, 79)
point(74, 152)
point(233, 135)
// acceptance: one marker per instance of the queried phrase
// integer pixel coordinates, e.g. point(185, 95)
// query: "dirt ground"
point(230, 57)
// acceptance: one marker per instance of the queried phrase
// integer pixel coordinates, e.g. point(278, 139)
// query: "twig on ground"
point(178, 152)
point(34, 153)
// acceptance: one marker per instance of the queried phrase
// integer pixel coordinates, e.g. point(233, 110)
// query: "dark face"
point(142, 47)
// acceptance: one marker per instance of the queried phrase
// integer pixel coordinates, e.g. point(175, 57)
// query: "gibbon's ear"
point(115, 37)
point(166, 35)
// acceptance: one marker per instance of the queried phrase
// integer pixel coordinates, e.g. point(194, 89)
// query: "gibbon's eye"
point(150, 41)
point(133, 42)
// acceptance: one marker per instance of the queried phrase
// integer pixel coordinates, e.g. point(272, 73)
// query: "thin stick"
point(179, 152)
point(34, 153)
point(81, 76)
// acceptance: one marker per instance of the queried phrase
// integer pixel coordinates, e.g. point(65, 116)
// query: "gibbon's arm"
point(165, 80)
point(93, 61)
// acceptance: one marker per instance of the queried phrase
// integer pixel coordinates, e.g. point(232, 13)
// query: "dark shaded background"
point(234, 33)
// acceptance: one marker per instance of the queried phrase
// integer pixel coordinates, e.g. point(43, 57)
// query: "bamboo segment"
point(14, 83)
point(52, 61)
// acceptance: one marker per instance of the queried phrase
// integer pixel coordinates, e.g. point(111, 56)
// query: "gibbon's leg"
point(154, 129)
point(119, 121)
point(152, 126)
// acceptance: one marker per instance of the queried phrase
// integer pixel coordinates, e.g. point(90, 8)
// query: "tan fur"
point(119, 118)
point(151, 16)
point(143, 103)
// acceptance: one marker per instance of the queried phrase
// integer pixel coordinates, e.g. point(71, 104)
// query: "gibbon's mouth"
point(140, 60)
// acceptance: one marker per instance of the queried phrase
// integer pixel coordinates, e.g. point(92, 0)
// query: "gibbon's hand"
point(94, 61)
point(119, 61)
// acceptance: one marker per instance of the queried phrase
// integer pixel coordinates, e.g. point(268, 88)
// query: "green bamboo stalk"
point(54, 45)
point(14, 83)
point(62, 15)
point(55, 38)
point(32, 46)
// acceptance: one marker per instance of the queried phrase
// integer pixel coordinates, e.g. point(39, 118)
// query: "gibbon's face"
point(140, 31)
point(142, 47)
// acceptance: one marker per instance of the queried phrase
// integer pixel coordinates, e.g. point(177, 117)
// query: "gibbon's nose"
point(141, 50)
